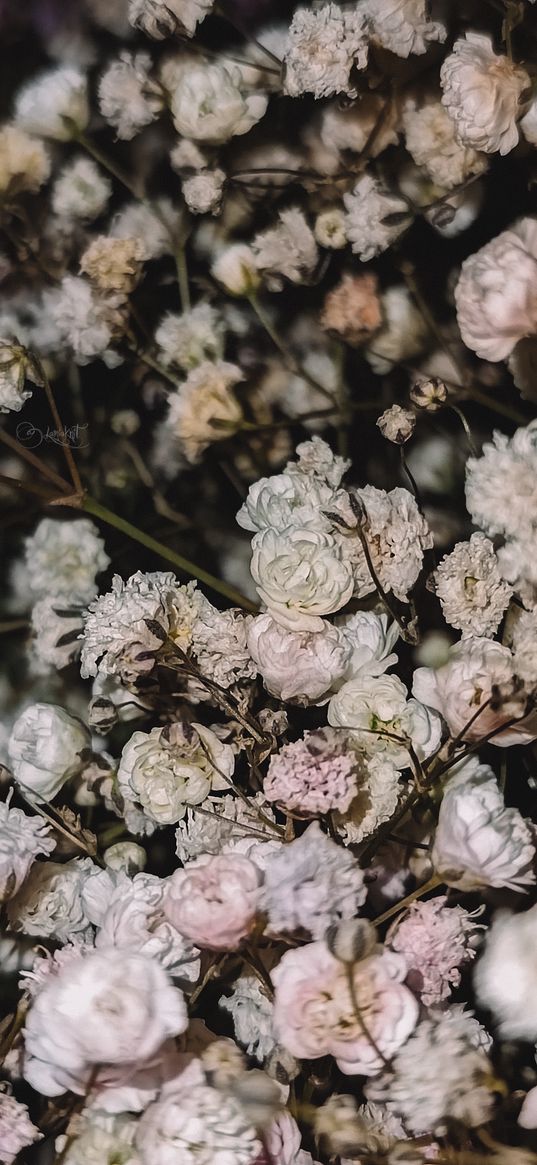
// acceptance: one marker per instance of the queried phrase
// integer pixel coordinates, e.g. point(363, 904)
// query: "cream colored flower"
point(496, 295)
point(205, 409)
point(482, 91)
point(300, 575)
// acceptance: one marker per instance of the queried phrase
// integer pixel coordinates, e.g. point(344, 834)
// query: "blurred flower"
point(214, 900)
point(45, 749)
point(495, 296)
point(22, 838)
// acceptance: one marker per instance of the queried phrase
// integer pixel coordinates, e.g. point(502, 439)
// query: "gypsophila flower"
point(161, 18)
point(221, 645)
point(220, 823)
point(428, 393)
point(128, 98)
point(402, 26)
point(495, 295)
point(403, 334)
point(324, 47)
point(24, 162)
point(481, 93)
point(430, 139)
point(62, 559)
point(439, 1074)
point(499, 484)
point(157, 226)
point(169, 768)
point(203, 192)
point(478, 842)
point(55, 104)
point(297, 665)
point(313, 775)
point(109, 1009)
point(213, 901)
point(311, 884)
point(100, 1140)
point(524, 646)
point(314, 1014)
point(113, 265)
point(16, 1128)
point(397, 536)
point(292, 499)
point(22, 838)
point(287, 251)
point(329, 229)
point(45, 749)
point(377, 793)
point(470, 587)
point(15, 369)
point(436, 940)
point(300, 575)
point(236, 269)
point(374, 217)
point(49, 903)
point(207, 102)
point(251, 1011)
point(198, 1126)
point(352, 309)
point(81, 191)
point(397, 424)
point(382, 719)
point(205, 409)
point(117, 633)
point(189, 339)
point(85, 321)
point(132, 922)
point(505, 974)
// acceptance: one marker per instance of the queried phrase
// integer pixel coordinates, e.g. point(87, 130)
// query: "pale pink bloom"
point(314, 1014)
point(213, 901)
point(435, 940)
point(352, 309)
point(313, 775)
point(16, 1128)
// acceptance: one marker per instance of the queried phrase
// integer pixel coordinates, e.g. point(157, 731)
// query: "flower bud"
point(329, 229)
point(397, 424)
point(351, 940)
point(429, 393)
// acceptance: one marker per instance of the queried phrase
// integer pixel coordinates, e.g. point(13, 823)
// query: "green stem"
point(91, 506)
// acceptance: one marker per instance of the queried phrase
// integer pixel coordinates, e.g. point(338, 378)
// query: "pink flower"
point(213, 901)
point(313, 775)
point(314, 1014)
point(435, 941)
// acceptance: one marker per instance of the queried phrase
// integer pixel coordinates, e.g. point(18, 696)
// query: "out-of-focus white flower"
point(236, 269)
point(287, 250)
point(203, 192)
point(15, 370)
point(62, 560)
point(462, 688)
point(49, 903)
point(472, 592)
point(116, 629)
point(16, 1128)
point(297, 665)
point(373, 705)
point(251, 1011)
point(314, 1014)
point(213, 901)
point(128, 99)
point(528, 123)
point(54, 104)
point(397, 424)
point(324, 46)
point(504, 977)
point(435, 940)
point(478, 842)
point(403, 334)
point(107, 1010)
point(205, 409)
point(311, 884)
point(198, 1125)
point(161, 18)
point(157, 226)
point(207, 102)
point(500, 485)
point(403, 26)
point(22, 838)
point(349, 127)
point(430, 139)
point(524, 647)
point(300, 575)
point(113, 265)
point(481, 93)
point(133, 922)
point(24, 162)
point(375, 217)
point(100, 1140)
point(44, 749)
point(496, 296)
point(81, 191)
point(442, 1072)
point(85, 321)
point(189, 339)
point(169, 768)
point(377, 793)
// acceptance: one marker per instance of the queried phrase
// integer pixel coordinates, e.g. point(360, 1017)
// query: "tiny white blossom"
point(481, 93)
point(297, 665)
point(128, 98)
point(62, 559)
point(54, 104)
point(469, 584)
point(377, 709)
point(49, 903)
point(15, 370)
point(311, 884)
point(505, 974)
point(251, 1011)
point(207, 102)
point(161, 18)
point(203, 192)
point(495, 296)
point(325, 45)
point(22, 838)
point(403, 26)
point(236, 269)
point(81, 191)
point(205, 409)
point(430, 139)
point(16, 1128)
point(85, 320)
point(132, 922)
point(286, 251)
point(169, 768)
point(44, 749)
point(24, 161)
point(197, 1125)
point(156, 226)
point(300, 575)
point(189, 339)
point(500, 485)
point(375, 217)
